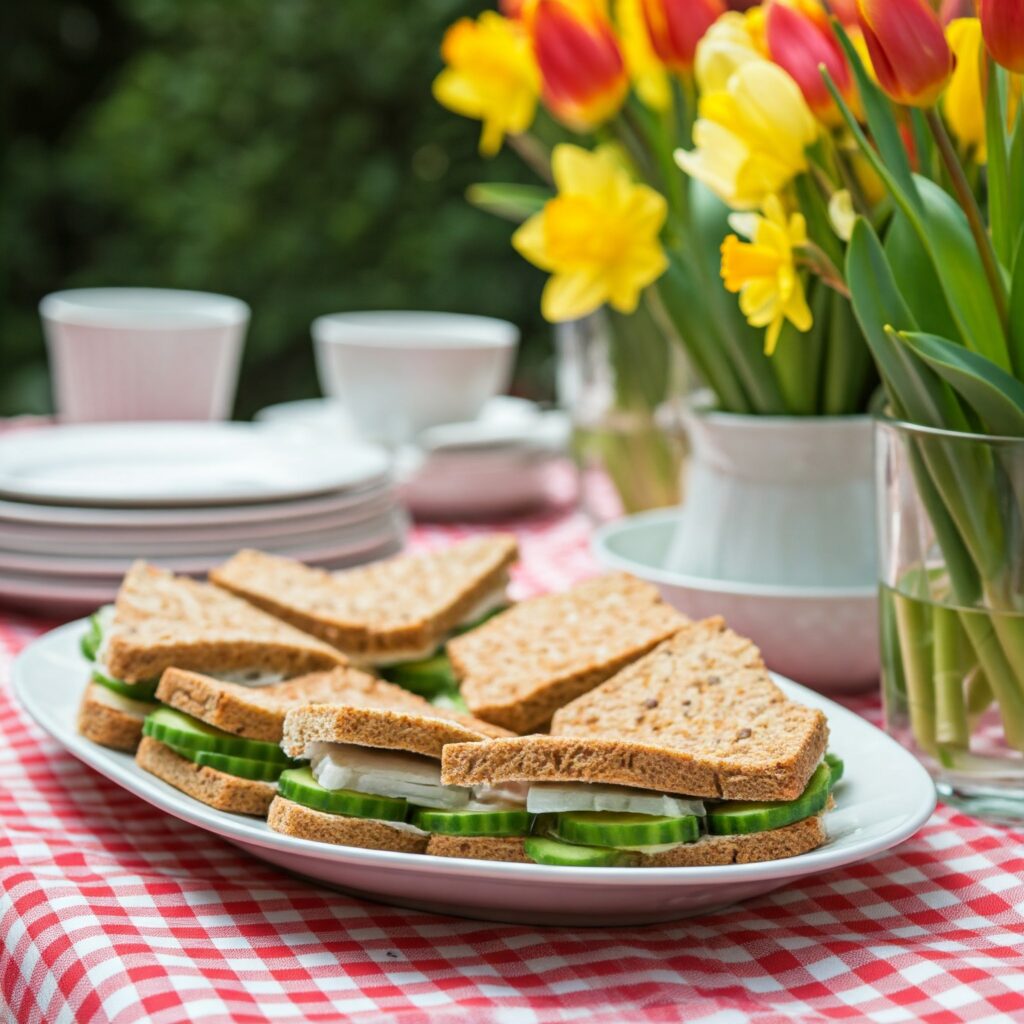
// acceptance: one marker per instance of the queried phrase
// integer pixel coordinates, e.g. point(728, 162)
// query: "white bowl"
point(143, 353)
point(823, 637)
point(397, 373)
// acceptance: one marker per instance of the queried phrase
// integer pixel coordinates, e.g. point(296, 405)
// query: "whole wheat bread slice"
point(408, 603)
point(504, 848)
point(706, 693)
point(292, 819)
point(386, 716)
point(518, 668)
point(107, 725)
point(258, 712)
point(217, 789)
point(162, 620)
point(699, 716)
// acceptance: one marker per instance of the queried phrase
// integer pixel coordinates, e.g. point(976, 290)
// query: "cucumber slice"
point(472, 823)
point(548, 851)
point(180, 730)
point(835, 767)
point(298, 784)
point(240, 767)
point(92, 637)
point(602, 828)
point(428, 677)
point(734, 818)
point(145, 690)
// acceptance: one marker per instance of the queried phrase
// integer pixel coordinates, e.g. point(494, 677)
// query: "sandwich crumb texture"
point(522, 665)
point(496, 848)
point(292, 819)
point(162, 620)
point(402, 603)
point(217, 789)
point(105, 725)
point(386, 716)
point(258, 712)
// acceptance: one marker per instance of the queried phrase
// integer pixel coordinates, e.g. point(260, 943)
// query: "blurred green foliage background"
point(288, 152)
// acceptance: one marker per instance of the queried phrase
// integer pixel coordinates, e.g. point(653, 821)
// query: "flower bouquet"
point(936, 277)
point(698, 183)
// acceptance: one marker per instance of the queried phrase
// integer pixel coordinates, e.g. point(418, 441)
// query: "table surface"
point(112, 911)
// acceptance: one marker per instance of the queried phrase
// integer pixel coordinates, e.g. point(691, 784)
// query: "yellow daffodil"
point(648, 74)
point(598, 238)
point(491, 76)
point(750, 137)
point(763, 270)
point(727, 45)
point(964, 100)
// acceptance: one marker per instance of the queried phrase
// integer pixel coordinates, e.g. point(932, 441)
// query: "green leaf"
point(914, 389)
point(878, 110)
point(1017, 312)
point(996, 396)
point(947, 237)
point(916, 278)
point(1003, 233)
point(509, 201)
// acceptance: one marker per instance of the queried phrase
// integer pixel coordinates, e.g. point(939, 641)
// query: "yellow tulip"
point(491, 76)
point(598, 238)
point(727, 45)
point(648, 74)
point(750, 137)
point(763, 270)
point(964, 99)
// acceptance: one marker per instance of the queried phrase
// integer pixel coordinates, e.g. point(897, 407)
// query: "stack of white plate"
point(79, 503)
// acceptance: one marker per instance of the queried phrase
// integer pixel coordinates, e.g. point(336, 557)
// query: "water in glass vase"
point(954, 693)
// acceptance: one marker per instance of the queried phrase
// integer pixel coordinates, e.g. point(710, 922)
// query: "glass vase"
point(622, 382)
point(951, 534)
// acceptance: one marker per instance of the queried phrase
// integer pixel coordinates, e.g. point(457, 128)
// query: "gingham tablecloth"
point(112, 911)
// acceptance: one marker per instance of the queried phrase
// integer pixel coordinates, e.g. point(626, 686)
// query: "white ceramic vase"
point(779, 501)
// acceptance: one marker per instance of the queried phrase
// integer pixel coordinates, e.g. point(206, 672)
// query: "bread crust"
point(508, 849)
point(411, 602)
point(217, 789)
point(258, 713)
point(162, 620)
point(417, 729)
point(518, 668)
point(292, 819)
point(107, 726)
point(616, 762)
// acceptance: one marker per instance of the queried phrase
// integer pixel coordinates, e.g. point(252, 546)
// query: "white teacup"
point(397, 373)
point(143, 353)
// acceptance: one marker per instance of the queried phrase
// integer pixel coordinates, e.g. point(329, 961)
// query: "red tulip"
point(800, 42)
point(583, 71)
point(675, 27)
point(908, 49)
point(1002, 25)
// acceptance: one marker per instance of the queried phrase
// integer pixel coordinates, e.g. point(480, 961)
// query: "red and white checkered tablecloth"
point(112, 911)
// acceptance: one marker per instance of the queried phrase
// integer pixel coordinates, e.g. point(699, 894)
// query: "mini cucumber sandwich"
point(689, 756)
point(374, 781)
point(161, 620)
point(521, 666)
point(394, 615)
point(220, 742)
